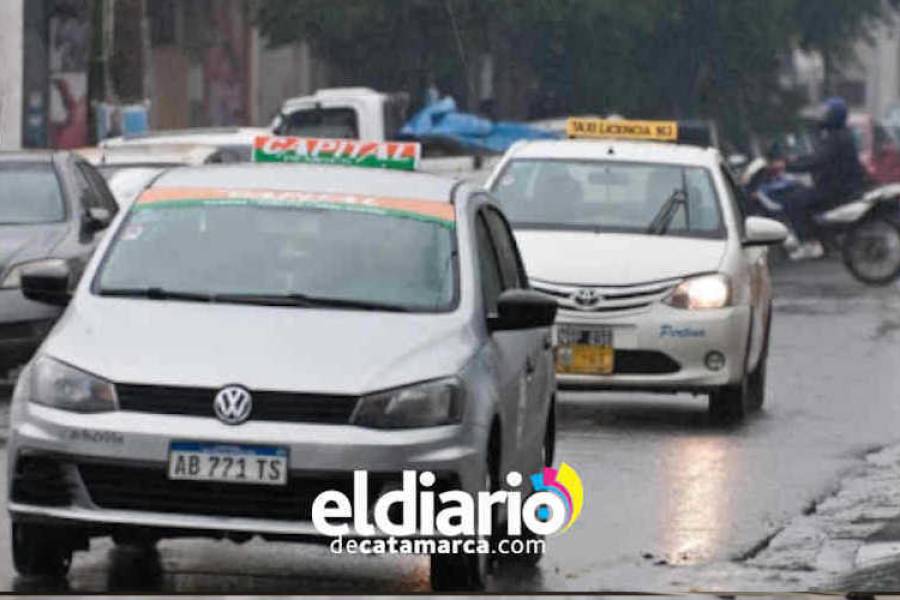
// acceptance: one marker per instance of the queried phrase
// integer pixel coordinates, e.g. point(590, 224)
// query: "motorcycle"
point(865, 232)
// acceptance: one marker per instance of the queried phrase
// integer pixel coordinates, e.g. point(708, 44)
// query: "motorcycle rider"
point(837, 176)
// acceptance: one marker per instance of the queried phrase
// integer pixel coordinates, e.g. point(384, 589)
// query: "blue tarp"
point(442, 120)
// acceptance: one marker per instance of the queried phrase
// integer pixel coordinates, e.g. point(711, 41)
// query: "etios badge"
point(233, 404)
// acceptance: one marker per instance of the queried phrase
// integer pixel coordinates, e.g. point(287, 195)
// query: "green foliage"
point(643, 58)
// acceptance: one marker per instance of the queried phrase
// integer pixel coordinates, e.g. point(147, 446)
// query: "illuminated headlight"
point(424, 405)
point(13, 276)
point(61, 386)
point(705, 291)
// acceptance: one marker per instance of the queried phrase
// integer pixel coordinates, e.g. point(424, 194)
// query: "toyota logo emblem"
point(233, 404)
point(586, 297)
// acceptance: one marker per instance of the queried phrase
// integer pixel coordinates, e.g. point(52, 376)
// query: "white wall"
point(11, 59)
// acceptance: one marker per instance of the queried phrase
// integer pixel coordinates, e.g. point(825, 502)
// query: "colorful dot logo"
point(565, 483)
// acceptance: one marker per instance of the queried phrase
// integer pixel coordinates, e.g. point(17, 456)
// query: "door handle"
point(529, 366)
point(548, 342)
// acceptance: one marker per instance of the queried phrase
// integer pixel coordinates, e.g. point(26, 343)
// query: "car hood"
point(19, 243)
point(268, 348)
point(588, 258)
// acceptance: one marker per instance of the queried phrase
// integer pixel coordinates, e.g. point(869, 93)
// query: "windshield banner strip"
point(402, 156)
point(440, 212)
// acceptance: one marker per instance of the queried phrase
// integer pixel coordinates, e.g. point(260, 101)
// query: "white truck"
point(366, 114)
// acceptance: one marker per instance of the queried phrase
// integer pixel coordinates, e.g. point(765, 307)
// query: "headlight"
point(425, 405)
point(13, 276)
point(61, 386)
point(705, 291)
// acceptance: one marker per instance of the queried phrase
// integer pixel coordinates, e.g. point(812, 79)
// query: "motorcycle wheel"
point(871, 252)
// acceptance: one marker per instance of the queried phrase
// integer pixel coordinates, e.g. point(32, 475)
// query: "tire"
point(757, 379)
point(860, 251)
point(531, 559)
point(455, 573)
point(729, 403)
point(40, 550)
point(468, 572)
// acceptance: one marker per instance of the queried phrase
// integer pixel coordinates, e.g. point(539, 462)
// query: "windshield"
point(610, 196)
point(321, 122)
point(29, 194)
point(126, 183)
point(254, 251)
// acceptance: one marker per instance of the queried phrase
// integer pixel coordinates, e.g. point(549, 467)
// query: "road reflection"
point(696, 509)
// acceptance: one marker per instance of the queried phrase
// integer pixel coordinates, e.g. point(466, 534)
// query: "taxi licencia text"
point(662, 282)
point(250, 340)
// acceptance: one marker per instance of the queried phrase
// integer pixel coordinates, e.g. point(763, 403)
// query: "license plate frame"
point(220, 462)
point(585, 350)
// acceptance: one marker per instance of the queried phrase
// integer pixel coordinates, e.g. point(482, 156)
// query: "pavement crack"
point(758, 547)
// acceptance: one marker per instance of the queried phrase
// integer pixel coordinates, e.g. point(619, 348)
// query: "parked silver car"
point(338, 319)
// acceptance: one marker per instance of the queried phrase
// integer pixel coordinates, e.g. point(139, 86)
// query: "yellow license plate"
point(585, 359)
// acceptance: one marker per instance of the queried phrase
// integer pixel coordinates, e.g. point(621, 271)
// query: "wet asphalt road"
point(664, 487)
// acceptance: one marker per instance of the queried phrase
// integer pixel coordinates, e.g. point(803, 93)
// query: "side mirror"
point(760, 231)
point(47, 283)
point(523, 309)
point(97, 219)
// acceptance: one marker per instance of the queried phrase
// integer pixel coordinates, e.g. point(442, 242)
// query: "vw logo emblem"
point(233, 404)
point(586, 297)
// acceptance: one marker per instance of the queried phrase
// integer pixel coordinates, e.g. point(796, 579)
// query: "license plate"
point(230, 463)
point(584, 351)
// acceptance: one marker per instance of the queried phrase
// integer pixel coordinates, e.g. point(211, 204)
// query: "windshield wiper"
point(663, 218)
point(157, 293)
point(307, 301)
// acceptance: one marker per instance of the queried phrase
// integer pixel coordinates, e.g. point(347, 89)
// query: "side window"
point(735, 197)
point(100, 196)
point(491, 283)
point(508, 256)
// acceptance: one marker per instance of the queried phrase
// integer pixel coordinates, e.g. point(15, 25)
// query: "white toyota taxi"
point(662, 282)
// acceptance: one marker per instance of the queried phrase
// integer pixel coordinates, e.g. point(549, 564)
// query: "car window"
point(322, 122)
point(734, 197)
point(510, 267)
point(30, 193)
point(100, 196)
point(491, 279)
point(608, 196)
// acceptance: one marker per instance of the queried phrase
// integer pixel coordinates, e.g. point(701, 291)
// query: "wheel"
point(871, 252)
point(40, 550)
point(456, 573)
point(757, 379)
point(468, 572)
point(729, 403)
point(527, 538)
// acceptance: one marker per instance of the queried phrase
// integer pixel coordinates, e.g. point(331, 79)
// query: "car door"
point(529, 350)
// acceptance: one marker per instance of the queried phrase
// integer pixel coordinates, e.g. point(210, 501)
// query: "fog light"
point(715, 360)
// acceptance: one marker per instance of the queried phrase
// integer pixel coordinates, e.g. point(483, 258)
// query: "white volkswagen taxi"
point(662, 282)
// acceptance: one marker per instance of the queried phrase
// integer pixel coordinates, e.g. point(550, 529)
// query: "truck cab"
point(345, 112)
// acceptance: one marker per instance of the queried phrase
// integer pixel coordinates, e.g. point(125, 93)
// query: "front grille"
point(606, 299)
point(643, 362)
point(40, 480)
point(149, 489)
point(267, 406)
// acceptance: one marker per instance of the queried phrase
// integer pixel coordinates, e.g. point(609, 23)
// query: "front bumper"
point(664, 349)
point(113, 470)
point(23, 326)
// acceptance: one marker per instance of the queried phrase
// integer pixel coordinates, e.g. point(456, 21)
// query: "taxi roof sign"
point(402, 156)
point(663, 131)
